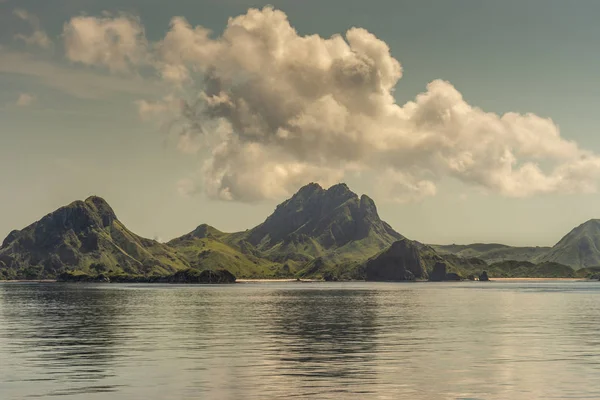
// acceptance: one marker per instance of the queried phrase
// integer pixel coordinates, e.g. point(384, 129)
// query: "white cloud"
point(253, 171)
point(79, 83)
point(25, 100)
point(397, 186)
point(117, 43)
point(169, 105)
point(278, 110)
point(38, 37)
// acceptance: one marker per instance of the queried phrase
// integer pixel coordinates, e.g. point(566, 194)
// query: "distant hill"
point(85, 236)
point(493, 252)
point(317, 233)
point(526, 269)
point(207, 248)
point(308, 234)
point(580, 248)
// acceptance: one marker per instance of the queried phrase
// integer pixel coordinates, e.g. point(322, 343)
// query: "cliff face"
point(401, 262)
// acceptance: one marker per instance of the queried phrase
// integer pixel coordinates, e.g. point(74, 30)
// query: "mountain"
point(526, 269)
point(334, 226)
point(580, 248)
point(84, 236)
point(318, 233)
point(492, 252)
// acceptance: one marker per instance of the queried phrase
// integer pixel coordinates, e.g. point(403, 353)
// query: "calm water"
point(301, 340)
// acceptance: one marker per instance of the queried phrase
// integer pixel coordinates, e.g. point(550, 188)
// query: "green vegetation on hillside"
point(328, 234)
point(492, 252)
point(84, 236)
point(580, 248)
point(317, 233)
point(525, 269)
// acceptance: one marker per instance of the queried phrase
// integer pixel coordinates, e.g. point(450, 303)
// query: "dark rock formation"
point(401, 262)
point(206, 276)
point(484, 277)
point(452, 276)
point(438, 274)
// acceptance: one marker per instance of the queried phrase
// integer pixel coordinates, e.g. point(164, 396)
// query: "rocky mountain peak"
point(205, 231)
point(326, 219)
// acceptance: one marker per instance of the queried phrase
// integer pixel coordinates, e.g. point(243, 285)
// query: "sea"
point(301, 340)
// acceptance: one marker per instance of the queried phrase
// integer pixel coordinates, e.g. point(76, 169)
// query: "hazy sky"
point(464, 120)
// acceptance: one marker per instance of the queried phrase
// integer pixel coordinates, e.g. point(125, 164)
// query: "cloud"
point(79, 83)
point(399, 187)
point(169, 114)
point(252, 171)
point(25, 100)
point(117, 43)
point(38, 37)
point(278, 110)
point(169, 105)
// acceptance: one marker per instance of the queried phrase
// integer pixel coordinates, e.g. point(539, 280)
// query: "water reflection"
point(325, 341)
point(69, 336)
point(324, 335)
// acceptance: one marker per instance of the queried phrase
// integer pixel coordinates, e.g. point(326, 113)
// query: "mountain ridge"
point(317, 232)
point(83, 235)
point(334, 225)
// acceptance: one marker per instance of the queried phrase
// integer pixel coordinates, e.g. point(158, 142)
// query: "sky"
point(466, 121)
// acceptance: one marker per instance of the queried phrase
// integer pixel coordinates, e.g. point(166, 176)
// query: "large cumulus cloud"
point(277, 110)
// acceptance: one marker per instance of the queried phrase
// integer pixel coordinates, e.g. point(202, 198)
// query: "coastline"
point(540, 279)
point(279, 280)
point(266, 280)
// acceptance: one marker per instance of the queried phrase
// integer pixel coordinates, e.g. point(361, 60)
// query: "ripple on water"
point(322, 341)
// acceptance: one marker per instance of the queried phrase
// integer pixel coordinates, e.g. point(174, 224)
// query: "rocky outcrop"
point(206, 276)
point(453, 276)
point(401, 262)
point(438, 274)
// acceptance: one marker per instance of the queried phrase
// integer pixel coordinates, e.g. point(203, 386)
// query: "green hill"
point(335, 226)
point(492, 252)
point(580, 248)
point(205, 248)
point(589, 272)
point(525, 269)
point(84, 236)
